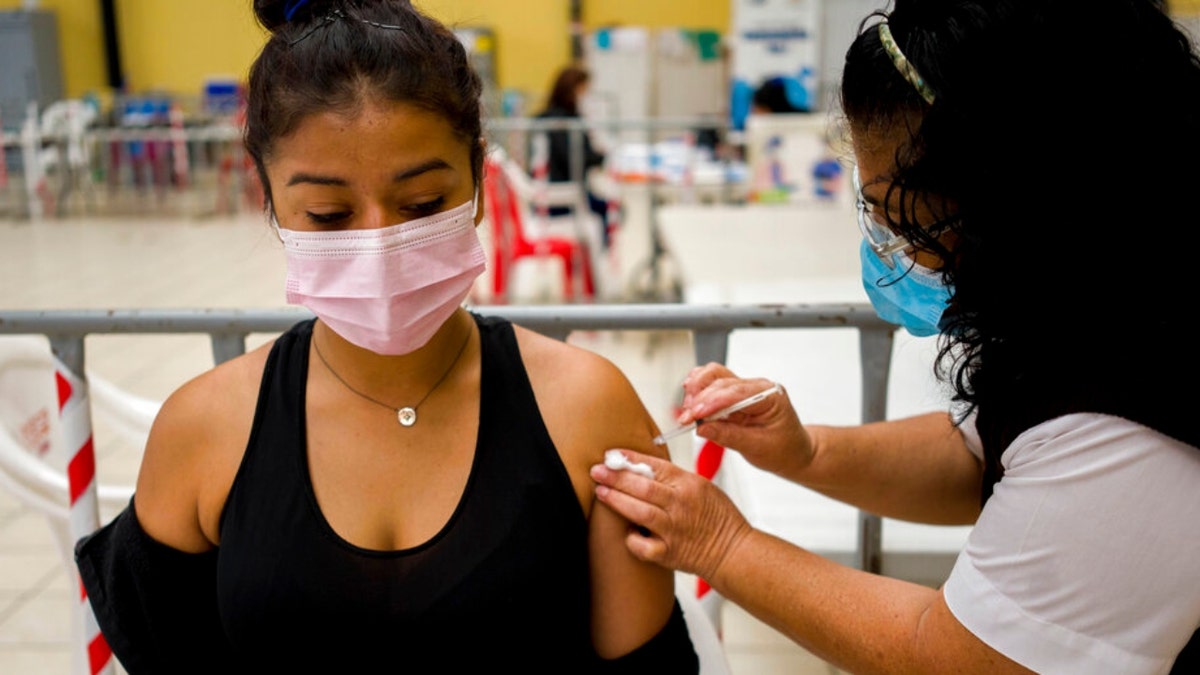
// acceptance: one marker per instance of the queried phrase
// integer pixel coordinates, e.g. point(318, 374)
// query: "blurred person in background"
point(570, 86)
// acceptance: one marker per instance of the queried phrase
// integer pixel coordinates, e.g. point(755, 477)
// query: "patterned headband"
point(902, 64)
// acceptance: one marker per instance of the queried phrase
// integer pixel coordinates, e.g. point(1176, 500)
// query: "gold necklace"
point(406, 415)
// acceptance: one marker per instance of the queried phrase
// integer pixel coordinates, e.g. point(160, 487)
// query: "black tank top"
point(504, 583)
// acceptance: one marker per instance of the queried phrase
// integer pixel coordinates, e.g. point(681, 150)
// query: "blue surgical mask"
point(912, 298)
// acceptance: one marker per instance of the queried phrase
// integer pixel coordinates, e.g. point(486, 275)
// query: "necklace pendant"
point(406, 416)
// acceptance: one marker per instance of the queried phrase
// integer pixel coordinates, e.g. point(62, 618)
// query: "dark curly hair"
point(338, 54)
point(1065, 133)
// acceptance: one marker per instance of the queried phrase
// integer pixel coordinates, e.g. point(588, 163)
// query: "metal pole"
point(577, 30)
point(875, 355)
point(112, 45)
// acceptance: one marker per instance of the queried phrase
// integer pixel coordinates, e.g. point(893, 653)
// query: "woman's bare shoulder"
point(584, 396)
point(194, 449)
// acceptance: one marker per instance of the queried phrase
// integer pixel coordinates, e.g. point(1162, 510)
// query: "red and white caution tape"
point(708, 462)
point(76, 424)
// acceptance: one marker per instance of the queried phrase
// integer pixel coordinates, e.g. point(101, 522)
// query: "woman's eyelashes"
point(427, 208)
point(406, 212)
point(327, 218)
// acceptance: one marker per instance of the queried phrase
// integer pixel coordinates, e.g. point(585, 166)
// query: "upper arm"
point(166, 503)
point(944, 645)
point(917, 468)
point(631, 599)
point(192, 453)
point(589, 407)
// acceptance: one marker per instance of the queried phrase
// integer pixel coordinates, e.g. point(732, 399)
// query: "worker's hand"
point(684, 521)
point(768, 434)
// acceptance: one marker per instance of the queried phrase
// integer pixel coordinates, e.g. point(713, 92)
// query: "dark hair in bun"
point(334, 55)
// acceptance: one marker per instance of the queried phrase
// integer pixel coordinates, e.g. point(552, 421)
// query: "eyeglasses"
point(878, 236)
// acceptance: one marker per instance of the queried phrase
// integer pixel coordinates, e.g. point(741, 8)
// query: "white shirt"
point(1086, 559)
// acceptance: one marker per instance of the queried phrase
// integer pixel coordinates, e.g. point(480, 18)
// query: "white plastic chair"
point(705, 637)
point(34, 456)
point(522, 213)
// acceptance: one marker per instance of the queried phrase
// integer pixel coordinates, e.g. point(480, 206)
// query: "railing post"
point(226, 346)
point(91, 654)
point(710, 346)
point(875, 355)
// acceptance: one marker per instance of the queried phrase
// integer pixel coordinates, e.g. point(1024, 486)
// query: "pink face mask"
point(389, 289)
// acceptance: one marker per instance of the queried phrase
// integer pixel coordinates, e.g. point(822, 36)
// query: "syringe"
point(662, 439)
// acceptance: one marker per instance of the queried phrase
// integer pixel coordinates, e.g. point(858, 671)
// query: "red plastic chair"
point(507, 210)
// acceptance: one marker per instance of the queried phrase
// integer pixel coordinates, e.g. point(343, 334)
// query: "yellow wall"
point(173, 46)
point(1184, 7)
point(532, 36)
point(658, 14)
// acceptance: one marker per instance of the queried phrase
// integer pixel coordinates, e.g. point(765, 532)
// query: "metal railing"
point(709, 326)
point(109, 152)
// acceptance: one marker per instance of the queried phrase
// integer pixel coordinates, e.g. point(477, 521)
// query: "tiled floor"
point(155, 262)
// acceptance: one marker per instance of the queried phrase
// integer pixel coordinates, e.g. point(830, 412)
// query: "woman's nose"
point(375, 216)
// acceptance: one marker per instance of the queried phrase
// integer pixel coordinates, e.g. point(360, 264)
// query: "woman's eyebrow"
point(302, 177)
point(435, 164)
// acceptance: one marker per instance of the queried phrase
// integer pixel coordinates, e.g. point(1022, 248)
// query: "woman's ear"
point(479, 182)
point(478, 204)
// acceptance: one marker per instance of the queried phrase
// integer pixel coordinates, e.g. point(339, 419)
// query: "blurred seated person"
point(570, 85)
point(779, 95)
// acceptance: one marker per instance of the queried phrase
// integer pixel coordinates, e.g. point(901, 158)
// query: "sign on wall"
point(774, 39)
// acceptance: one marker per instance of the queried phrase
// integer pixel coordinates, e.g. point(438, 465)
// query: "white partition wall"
point(620, 61)
point(769, 39)
point(689, 73)
point(640, 73)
